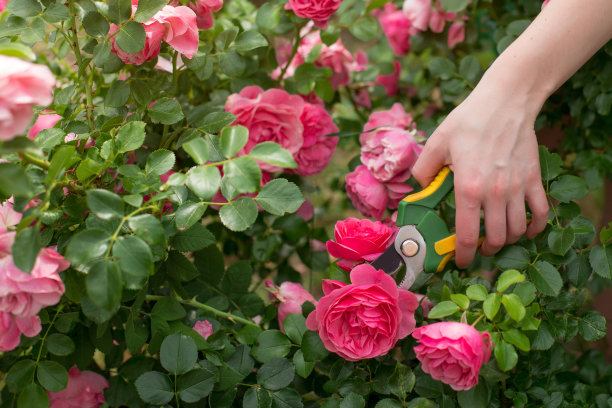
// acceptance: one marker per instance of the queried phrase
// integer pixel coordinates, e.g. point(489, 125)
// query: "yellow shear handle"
point(430, 189)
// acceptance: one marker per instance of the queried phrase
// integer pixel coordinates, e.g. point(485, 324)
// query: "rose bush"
point(171, 173)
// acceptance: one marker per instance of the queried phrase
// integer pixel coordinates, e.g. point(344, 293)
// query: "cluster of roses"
point(176, 25)
point(389, 150)
point(23, 295)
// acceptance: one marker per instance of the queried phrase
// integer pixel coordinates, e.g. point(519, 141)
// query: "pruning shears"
point(424, 242)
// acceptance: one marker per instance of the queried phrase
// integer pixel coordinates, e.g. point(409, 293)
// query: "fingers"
point(516, 219)
point(538, 204)
point(495, 224)
point(467, 220)
point(431, 160)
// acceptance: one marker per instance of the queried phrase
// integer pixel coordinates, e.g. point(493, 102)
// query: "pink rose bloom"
point(417, 11)
point(456, 34)
point(22, 85)
point(358, 241)
point(363, 319)
point(397, 28)
point(390, 153)
point(47, 119)
point(437, 21)
point(6, 244)
point(3, 4)
point(389, 82)
point(8, 216)
point(271, 116)
point(181, 29)
point(318, 11)
point(11, 329)
point(24, 294)
point(452, 352)
point(318, 148)
point(154, 34)
point(204, 328)
point(291, 297)
point(394, 117)
point(85, 389)
point(425, 303)
point(368, 195)
point(204, 10)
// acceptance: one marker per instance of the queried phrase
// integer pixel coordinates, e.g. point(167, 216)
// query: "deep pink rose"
point(204, 10)
point(452, 352)
point(3, 4)
point(417, 11)
point(394, 117)
point(24, 294)
point(22, 85)
point(358, 241)
point(271, 116)
point(365, 318)
point(397, 28)
point(11, 329)
point(8, 216)
point(389, 82)
point(456, 34)
point(47, 119)
point(204, 328)
point(318, 11)
point(368, 195)
point(291, 296)
point(317, 149)
point(181, 29)
point(154, 34)
point(85, 389)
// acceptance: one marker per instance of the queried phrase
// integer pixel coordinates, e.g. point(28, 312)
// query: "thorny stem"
point(44, 337)
point(30, 158)
point(77, 52)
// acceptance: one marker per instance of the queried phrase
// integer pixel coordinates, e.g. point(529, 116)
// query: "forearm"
point(557, 43)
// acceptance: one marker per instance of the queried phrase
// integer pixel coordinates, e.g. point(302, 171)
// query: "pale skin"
point(489, 139)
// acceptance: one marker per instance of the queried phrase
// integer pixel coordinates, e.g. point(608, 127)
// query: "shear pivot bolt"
point(410, 248)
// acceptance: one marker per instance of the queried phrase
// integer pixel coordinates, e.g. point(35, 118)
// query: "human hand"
point(490, 144)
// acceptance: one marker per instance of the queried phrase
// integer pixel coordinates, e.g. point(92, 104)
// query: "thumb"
point(432, 159)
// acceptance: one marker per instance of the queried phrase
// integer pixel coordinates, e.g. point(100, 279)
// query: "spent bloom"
point(85, 389)
point(291, 296)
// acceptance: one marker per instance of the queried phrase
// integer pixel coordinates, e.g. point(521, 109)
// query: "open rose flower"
point(12, 327)
point(85, 389)
point(204, 328)
point(397, 27)
point(22, 85)
point(181, 29)
point(203, 10)
point(291, 296)
point(452, 352)
point(358, 241)
point(363, 319)
point(394, 117)
point(154, 33)
point(318, 11)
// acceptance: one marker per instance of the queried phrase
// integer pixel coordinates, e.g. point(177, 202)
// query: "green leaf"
point(168, 308)
point(517, 27)
point(469, 68)
point(135, 259)
point(279, 197)
point(215, 121)
point(579, 270)
point(476, 397)
point(204, 181)
point(20, 375)
point(241, 175)
point(461, 300)
point(166, 111)
point(365, 29)
point(232, 64)
point(294, 326)
point(147, 9)
point(131, 37)
point(136, 334)
point(19, 144)
point(512, 257)
point(592, 326)
point(250, 40)
point(159, 162)
point(506, 356)
point(225, 38)
point(178, 353)
point(105, 204)
point(353, 400)
point(95, 24)
point(148, 228)
point(509, 277)
point(560, 239)
point(47, 139)
point(543, 339)
point(443, 309)
point(286, 398)
point(197, 149)
point(601, 261)
point(477, 292)
point(239, 365)
point(454, 6)
point(104, 284)
point(56, 13)
point(195, 385)
point(550, 164)
point(514, 306)
point(88, 168)
point(240, 214)
point(193, 239)
point(441, 67)
point(62, 159)
point(238, 277)
point(60, 344)
point(302, 367)
point(52, 375)
point(276, 374)
point(517, 338)
point(569, 187)
point(313, 347)
point(86, 248)
point(546, 278)
point(32, 396)
point(154, 388)
point(491, 305)
point(26, 247)
point(272, 153)
point(257, 397)
point(15, 182)
point(24, 8)
point(268, 16)
point(233, 139)
point(130, 137)
point(181, 267)
point(118, 94)
point(271, 344)
point(188, 214)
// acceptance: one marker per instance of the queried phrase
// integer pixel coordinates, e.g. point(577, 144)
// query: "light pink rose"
point(24, 294)
point(317, 149)
point(22, 85)
point(397, 28)
point(85, 389)
point(456, 34)
point(154, 34)
point(363, 319)
point(8, 216)
point(368, 195)
point(318, 11)
point(389, 82)
point(6, 243)
point(417, 11)
point(291, 296)
point(271, 116)
point(204, 10)
point(358, 241)
point(47, 119)
point(204, 328)
point(181, 29)
point(394, 117)
point(11, 329)
point(452, 352)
